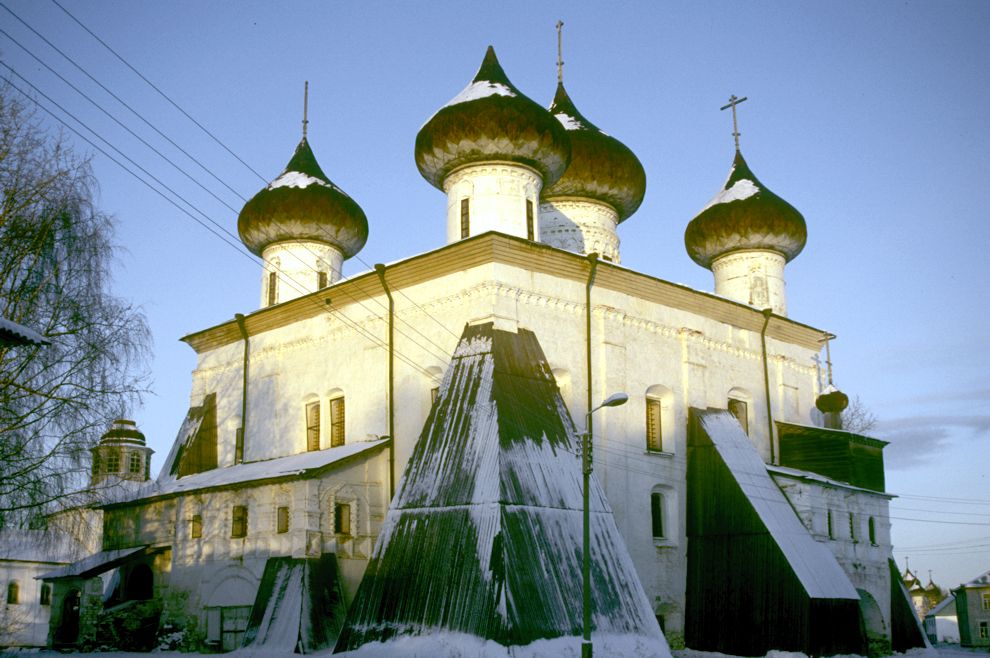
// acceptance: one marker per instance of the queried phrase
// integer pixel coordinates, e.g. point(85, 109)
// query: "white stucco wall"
point(580, 225)
point(497, 194)
point(752, 277)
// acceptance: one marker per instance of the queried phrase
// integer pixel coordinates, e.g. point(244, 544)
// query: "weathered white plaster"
point(296, 265)
point(580, 225)
point(497, 193)
point(752, 277)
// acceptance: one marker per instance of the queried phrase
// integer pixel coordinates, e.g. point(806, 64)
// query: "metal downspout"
point(767, 314)
point(380, 270)
point(244, 384)
point(586, 647)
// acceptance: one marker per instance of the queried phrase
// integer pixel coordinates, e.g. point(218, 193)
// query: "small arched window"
point(872, 529)
point(13, 593)
point(313, 425)
point(831, 527)
point(659, 424)
point(657, 514)
point(337, 421)
point(46, 594)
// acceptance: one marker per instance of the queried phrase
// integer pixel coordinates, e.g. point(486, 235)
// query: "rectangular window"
point(342, 519)
point(282, 520)
point(239, 445)
point(321, 280)
point(984, 630)
point(852, 526)
point(465, 218)
point(239, 521)
point(272, 288)
point(134, 463)
point(656, 512)
point(654, 434)
point(986, 601)
point(831, 528)
point(871, 528)
point(313, 426)
point(336, 422)
point(740, 410)
point(113, 462)
point(196, 526)
point(46, 594)
point(530, 228)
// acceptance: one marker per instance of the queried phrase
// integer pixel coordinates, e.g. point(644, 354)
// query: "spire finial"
point(733, 101)
point(560, 52)
point(305, 107)
point(828, 351)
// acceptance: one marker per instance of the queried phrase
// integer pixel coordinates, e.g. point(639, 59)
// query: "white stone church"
point(750, 519)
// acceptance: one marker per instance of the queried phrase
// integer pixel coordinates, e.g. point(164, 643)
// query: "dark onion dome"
point(602, 167)
point(832, 400)
point(123, 431)
point(491, 120)
point(744, 215)
point(303, 204)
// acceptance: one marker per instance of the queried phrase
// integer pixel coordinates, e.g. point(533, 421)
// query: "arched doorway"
point(139, 583)
point(68, 627)
point(873, 624)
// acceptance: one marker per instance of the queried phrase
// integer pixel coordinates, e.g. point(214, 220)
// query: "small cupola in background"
point(603, 185)
point(303, 227)
point(121, 454)
point(492, 150)
point(745, 236)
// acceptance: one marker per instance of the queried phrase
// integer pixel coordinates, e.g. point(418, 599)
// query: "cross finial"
point(305, 107)
point(560, 52)
point(827, 337)
point(733, 101)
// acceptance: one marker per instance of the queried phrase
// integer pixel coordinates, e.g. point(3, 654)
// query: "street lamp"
point(613, 400)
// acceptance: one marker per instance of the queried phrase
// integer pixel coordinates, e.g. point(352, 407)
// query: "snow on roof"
point(480, 89)
point(94, 564)
point(300, 180)
point(569, 122)
point(253, 471)
point(813, 563)
point(983, 580)
point(947, 602)
point(12, 333)
point(37, 546)
point(815, 477)
point(451, 643)
point(741, 189)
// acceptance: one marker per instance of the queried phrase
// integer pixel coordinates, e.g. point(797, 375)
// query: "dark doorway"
point(139, 584)
point(68, 628)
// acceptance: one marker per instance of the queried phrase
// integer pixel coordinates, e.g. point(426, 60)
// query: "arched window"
point(342, 519)
point(46, 594)
point(313, 425)
point(196, 526)
point(282, 520)
point(658, 514)
point(659, 423)
point(272, 288)
point(134, 463)
point(831, 527)
point(13, 593)
point(738, 405)
point(852, 527)
point(337, 421)
point(872, 529)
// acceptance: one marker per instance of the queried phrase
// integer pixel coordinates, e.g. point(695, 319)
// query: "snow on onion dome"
point(303, 204)
point(123, 431)
point(832, 400)
point(602, 168)
point(491, 120)
point(744, 215)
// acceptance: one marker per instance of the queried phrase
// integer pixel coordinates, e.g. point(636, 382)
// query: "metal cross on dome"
point(305, 107)
point(733, 101)
point(560, 52)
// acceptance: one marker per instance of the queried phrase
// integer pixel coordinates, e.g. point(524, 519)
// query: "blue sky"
point(870, 118)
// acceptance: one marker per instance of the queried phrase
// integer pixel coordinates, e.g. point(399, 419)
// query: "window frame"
point(465, 217)
point(13, 593)
point(654, 430)
point(312, 416)
point(113, 461)
point(282, 519)
point(239, 522)
point(986, 601)
point(530, 221)
point(342, 519)
point(338, 418)
point(196, 526)
point(734, 406)
point(272, 288)
point(134, 462)
point(45, 594)
point(658, 516)
point(321, 280)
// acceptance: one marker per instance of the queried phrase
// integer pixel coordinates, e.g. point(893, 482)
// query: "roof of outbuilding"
point(490, 121)
point(745, 214)
point(602, 168)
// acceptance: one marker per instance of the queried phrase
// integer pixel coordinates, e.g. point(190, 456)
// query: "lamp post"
point(614, 400)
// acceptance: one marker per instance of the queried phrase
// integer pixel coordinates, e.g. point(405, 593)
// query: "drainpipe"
point(380, 270)
point(593, 263)
point(244, 386)
point(767, 314)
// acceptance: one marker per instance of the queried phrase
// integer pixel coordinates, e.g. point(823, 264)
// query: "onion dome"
point(491, 120)
point(832, 400)
point(602, 167)
point(744, 215)
point(123, 431)
point(303, 204)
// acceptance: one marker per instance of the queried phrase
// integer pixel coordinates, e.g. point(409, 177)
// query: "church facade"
point(305, 413)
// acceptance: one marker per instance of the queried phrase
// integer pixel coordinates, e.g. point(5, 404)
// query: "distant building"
point(337, 433)
point(941, 622)
point(973, 611)
point(924, 598)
